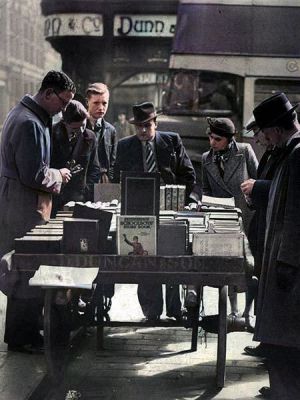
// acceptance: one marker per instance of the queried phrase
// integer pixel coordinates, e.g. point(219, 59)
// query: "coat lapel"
point(163, 151)
point(213, 171)
point(232, 164)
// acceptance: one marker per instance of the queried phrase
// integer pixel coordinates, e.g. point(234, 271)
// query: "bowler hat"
point(272, 110)
point(143, 112)
point(221, 126)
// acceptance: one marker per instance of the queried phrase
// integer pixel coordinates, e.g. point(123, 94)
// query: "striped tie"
point(150, 160)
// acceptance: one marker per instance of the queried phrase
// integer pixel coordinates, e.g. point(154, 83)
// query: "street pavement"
point(140, 363)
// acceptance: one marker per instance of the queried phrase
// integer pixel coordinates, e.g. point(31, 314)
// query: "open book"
point(51, 276)
point(225, 202)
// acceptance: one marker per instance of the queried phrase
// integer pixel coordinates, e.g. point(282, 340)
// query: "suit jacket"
point(107, 146)
point(241, 165)
point(173, 162)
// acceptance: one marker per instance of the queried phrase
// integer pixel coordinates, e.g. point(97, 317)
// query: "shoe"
point(265, 391)
point(177, 317)
point(152, 318)
point(255, 351)
point(210, 323)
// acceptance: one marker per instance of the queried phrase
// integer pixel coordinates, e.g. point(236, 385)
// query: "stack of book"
point(172, 197)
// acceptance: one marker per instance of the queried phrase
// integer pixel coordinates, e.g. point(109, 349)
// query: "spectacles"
point(63, 101)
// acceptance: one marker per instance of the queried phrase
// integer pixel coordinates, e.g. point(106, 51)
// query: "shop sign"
point(73, 25)
point(144, 25)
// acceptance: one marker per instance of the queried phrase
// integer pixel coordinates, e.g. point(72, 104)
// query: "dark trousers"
point(284, 372)
point(23, 319)
point(151, 300)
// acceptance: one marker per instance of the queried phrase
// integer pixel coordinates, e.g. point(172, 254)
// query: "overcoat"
point(278, 319)
point(26, 181)
point(240, 166)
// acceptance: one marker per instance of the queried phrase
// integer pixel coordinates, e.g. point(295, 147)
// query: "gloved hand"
point(286, 276)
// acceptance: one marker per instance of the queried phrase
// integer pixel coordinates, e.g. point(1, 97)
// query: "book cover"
point(140, 193)
point(218, 244)
point(174, 189)
point(107, 192)
point(162, 198)
point(181, 197)
point(168, 197)
point(225, 202)
point(137, 235)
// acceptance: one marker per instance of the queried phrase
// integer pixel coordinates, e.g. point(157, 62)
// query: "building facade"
point(25, 56)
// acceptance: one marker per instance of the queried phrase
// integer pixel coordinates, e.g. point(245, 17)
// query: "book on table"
point(137, 235)
point(224, 202)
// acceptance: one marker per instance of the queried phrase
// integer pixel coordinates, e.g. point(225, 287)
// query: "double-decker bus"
point(227, 56)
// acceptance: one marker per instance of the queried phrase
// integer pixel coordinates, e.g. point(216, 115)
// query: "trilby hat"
point(143, 112)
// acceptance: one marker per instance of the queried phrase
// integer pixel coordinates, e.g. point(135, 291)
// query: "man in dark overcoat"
point(26, 186)
point(168, 156)
point(278, 305)
point(98, 100)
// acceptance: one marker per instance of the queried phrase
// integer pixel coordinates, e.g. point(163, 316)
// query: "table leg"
point(221, 354)
point(195, 323)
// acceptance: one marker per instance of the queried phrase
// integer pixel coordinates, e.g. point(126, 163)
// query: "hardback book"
point(168, 197)
point(224, 202)
point(106, 192)
point(137, 235)
point(162, 198)
point(218, 244)
point(46, 232)
point(103, 216)
point(174, 197)
point(181, 197)
point(71, 277)
point(140, 193)
point(81, 236)
point(39, 244)
point(172, 238)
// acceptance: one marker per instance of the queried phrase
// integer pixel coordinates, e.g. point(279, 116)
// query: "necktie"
point(150, 160)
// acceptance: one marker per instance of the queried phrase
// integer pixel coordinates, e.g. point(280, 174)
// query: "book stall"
point(134, 232)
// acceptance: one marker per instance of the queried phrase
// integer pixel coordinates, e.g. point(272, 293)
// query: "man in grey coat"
point(26, 185)
point(278, 304)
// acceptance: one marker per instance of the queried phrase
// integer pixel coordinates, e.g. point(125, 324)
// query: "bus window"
point(203, 93)
point(267, 87)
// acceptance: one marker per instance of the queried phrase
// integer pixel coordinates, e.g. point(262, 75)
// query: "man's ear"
point(48, 92)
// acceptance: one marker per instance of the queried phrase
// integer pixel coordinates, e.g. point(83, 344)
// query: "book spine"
point(168, 195)
point(181, 197)
point(162, 198)
point(174, 198)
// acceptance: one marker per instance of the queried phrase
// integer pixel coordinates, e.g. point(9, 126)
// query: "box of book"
point(218, 244)
point(137, 235)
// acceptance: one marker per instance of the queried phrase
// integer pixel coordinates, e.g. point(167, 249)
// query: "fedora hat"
point(143, 112)
point(221, 127)
point(272, 110)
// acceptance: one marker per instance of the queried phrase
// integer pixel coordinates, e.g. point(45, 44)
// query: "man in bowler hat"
point(278, 304)
point(151, 150)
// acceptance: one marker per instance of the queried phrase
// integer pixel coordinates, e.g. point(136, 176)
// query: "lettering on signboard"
point(145, 25)
point(73, 25)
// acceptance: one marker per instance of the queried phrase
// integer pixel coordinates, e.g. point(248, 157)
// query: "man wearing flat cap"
point(224, 167)
point(98, 99)
point(151, 150)
point(278, 305)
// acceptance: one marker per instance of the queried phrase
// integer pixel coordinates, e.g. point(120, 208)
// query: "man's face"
point(75, 128)
point(146, 131)
point(259, 137)
point(98, 104)
point(273, 135)
point(217, 143)
point(56, 102)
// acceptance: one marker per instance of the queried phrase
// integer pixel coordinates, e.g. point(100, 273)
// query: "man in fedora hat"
point(278, 304)
point(151, 150)
point(98, 100)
